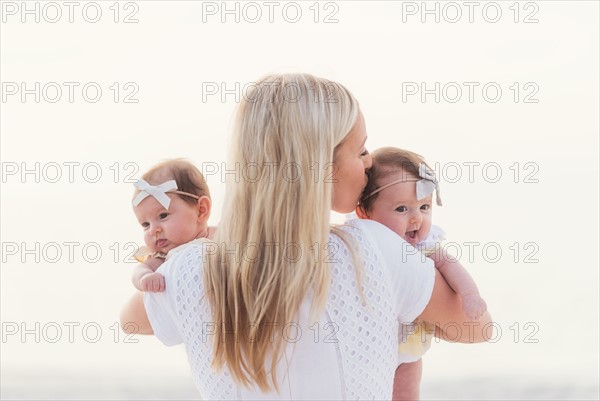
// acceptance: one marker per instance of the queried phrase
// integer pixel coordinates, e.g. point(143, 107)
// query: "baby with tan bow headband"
point(399, 195)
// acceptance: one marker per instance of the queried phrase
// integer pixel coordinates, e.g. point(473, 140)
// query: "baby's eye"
point(365, 152)
point(163, 216)
point(425, 207)
point(401, 209)
point(145, 224)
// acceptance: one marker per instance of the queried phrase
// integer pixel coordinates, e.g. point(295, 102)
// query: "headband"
point(159, 192)
point(426, 184)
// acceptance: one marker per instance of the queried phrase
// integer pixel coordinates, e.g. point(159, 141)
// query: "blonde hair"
point(254, 286)
point(187, 176)
point(388, 161)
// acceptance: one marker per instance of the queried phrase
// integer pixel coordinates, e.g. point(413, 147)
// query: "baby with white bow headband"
point(172, 204)
point(399, 195)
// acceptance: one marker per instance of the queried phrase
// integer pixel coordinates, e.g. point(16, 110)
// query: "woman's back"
point(349, 353)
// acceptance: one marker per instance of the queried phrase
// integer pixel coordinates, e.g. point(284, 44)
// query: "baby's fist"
point(474, 306)
point(153, 282)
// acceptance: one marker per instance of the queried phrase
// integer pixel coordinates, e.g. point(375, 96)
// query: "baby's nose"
point(156, 228)
point(415, 217)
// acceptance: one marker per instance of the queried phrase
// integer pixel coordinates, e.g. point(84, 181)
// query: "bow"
point(159, 192)
point(427, 184)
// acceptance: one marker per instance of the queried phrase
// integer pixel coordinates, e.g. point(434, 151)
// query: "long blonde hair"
point(275, 219)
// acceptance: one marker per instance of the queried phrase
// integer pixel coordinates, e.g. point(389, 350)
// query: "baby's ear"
point(203, 207)
point(360, 212)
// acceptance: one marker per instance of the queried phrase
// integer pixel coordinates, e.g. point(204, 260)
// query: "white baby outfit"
point(350, 354)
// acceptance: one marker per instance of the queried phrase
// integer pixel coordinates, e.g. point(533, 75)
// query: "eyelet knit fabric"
point(347, 353)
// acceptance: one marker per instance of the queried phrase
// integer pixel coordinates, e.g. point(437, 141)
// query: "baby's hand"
point(153, 282)
point(474, 306)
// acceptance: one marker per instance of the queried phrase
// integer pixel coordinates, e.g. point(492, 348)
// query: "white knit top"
point(349, 353)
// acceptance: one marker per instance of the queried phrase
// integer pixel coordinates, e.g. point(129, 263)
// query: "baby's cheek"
point(398, 229)
point(148, 241)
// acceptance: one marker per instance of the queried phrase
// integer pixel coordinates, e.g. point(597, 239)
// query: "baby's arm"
point(144, 277)
point(461, 282)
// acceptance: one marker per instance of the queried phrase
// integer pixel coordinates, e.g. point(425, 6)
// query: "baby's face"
point(167, 229)
point(397, 208)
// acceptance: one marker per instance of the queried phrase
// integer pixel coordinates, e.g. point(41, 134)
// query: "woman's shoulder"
point(185, 258)
point(382, 245)
point(192, 246)
point(407, 273)
point(372, 239)
point(374, 230)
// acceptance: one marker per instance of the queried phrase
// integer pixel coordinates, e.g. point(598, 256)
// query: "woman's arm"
point(461, 282)
point(445, 311)
point(412, 276)
point(134, 319)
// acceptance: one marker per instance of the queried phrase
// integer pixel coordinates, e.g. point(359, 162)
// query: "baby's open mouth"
point(411, 234)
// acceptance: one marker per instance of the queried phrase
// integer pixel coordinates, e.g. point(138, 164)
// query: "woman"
point(281, 305)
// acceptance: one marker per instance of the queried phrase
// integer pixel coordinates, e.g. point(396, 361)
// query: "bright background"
point(546, 310)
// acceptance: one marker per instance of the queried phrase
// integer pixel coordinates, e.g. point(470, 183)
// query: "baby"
point(399, 196)
point(172, 204)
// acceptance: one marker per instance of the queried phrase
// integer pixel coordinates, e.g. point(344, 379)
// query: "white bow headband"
point(425, 185)
point(159, 192)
